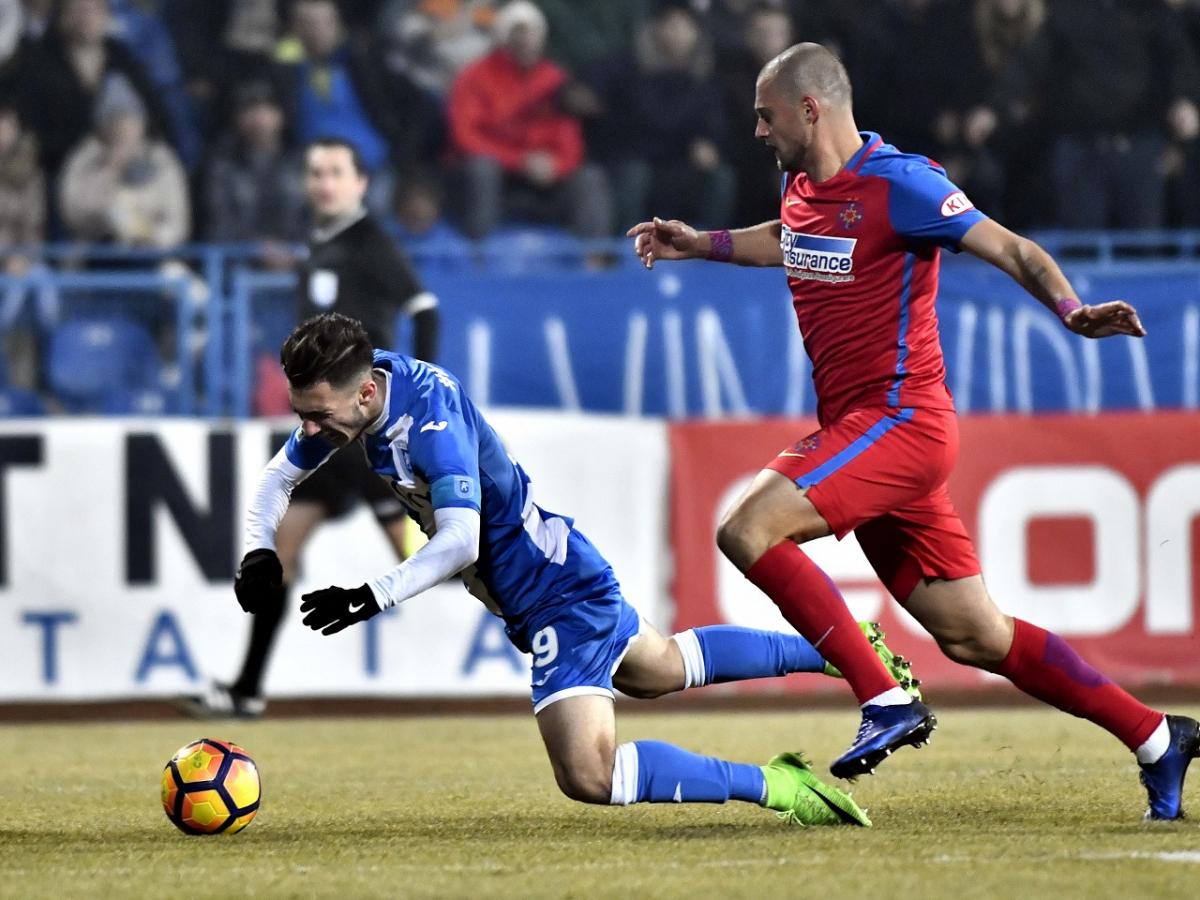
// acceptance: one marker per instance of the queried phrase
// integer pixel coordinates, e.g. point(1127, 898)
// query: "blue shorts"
point(577, 646)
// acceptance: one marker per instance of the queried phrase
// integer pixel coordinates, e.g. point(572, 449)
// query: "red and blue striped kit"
point(861, 251)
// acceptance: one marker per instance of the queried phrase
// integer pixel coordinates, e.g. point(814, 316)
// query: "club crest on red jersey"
point(810, 443)
point(850, 215)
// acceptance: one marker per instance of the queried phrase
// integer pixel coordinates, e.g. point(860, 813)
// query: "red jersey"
point(861, 251)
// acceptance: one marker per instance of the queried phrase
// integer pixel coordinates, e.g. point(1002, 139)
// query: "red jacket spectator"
point(500, 109)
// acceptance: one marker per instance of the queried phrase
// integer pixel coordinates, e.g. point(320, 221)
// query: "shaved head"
point(809, 70)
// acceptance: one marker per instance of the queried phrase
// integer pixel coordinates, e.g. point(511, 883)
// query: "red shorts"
point(881, 473)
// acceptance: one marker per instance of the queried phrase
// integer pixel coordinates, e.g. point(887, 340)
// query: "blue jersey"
point(438, 451)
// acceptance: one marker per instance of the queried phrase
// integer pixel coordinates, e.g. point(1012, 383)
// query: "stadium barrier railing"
point(528, 320)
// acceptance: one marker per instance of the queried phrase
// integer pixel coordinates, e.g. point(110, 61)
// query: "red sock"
point(814, 606)
point(1043, 665)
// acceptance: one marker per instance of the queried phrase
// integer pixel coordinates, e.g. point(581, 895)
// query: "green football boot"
point(899, 667)
point(800, 798)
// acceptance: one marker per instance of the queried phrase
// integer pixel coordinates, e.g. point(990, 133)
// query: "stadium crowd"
point(152, 122)
point(142, 125)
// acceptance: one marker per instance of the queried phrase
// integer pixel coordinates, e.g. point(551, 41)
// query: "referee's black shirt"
point(354, 268)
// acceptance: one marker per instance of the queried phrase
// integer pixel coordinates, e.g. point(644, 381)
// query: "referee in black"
point(353, 268)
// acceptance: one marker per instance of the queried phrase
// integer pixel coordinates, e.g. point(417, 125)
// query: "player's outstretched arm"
point(1036, 271)
point(672, 239)
point(259, 580)
point(453, 547)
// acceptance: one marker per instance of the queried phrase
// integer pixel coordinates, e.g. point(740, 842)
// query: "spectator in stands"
point(903, 65)
point(26, 305)
point(664, 130)
point(989, 131)
point(766, 32)
point(334, 89)
point(585, 35)
point(22, 189)
point(139, 25)
point(22, 24)
point(520, 154)
point(64, 74)
point(220, 44)
point(420, 225)
point(35, 18)
point(120, 185)
point(725, 21)
point(12, 27)
point(430, 41)
point(1183, 153)
point(1110, 78)
point(254, 190)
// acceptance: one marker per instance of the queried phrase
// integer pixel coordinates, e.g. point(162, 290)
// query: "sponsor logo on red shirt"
point(955, 204)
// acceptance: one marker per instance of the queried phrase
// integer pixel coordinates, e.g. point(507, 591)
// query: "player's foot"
point(1163, 780)
point(802, 799)
point(884, 730)
point(899, 667)
point(221, 701)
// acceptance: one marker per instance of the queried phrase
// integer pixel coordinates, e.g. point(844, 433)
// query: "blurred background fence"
point(185, 333)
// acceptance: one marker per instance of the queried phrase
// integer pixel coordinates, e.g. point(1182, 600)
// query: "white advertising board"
point(118, 541)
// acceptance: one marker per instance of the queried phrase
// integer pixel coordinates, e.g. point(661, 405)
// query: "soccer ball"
point(211, 787)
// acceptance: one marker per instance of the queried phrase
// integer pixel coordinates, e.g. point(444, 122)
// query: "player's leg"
point(716, 654)
point(656, 665)
point(243, 696)
point(580, 737)
point(576, 651)
point(295, 528)
point(971, 630)
point(923, 554)
point(758, 535)
point(827, 483)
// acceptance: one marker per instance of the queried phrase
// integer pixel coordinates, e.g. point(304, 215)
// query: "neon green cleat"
point(899, 667)
point(800, 798)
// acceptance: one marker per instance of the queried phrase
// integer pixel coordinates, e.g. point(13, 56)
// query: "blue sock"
point(719, 653)
point(654, 772)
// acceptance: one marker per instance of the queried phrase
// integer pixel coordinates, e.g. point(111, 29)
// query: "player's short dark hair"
point(329, 347)
point(326, 143)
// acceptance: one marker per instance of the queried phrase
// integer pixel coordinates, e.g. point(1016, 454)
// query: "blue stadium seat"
point(15, 402)
point(272, 318)
point(92, 358)
point(520, 249)
point(141, 402)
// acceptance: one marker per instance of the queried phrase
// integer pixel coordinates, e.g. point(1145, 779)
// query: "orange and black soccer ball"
point(211, 787)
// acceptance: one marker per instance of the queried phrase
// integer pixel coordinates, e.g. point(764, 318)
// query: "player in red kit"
point(860, 233)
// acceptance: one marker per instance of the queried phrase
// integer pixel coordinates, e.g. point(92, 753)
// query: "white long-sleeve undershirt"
point(453, 547)
point(271, 498)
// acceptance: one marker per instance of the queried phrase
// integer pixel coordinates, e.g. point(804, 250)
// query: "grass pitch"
point(1004, 803)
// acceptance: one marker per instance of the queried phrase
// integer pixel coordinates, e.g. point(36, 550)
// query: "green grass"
point(1025, 804)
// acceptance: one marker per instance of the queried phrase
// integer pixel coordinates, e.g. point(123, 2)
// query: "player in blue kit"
point(557, 594)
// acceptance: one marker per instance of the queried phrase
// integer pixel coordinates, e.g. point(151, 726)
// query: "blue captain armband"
point(455, 490)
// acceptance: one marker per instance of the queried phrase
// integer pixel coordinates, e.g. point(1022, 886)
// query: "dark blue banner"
point(705, 339)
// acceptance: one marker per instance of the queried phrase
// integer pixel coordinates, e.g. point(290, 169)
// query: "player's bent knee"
point(739, 539)
point(971, 651)
point(586, 784)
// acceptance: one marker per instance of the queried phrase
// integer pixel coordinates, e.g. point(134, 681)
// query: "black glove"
point(335, 608)
point(259, 580)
